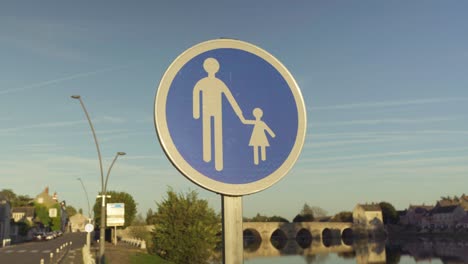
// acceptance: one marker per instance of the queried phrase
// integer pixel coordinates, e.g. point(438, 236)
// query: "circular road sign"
point(230, 117)
point(89, 228)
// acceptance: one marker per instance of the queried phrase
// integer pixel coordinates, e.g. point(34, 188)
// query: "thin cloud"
point(386, 121)
point(389, 133)
point(113, 119)
point(353, 141)
point(43, 125)
point(63, 79)
point(390, 103)
point(381, 155)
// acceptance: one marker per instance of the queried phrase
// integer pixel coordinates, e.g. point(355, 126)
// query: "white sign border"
point(176, 158)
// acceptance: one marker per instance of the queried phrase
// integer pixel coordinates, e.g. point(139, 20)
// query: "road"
point(33, 252)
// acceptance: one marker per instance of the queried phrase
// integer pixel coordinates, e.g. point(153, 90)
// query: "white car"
point(49, 236)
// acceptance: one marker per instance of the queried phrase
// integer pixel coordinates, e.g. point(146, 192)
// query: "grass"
point(142, 258)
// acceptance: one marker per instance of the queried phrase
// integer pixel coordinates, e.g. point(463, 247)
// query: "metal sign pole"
point(233, 246)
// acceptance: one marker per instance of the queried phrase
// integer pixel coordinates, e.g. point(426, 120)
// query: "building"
point(415, 214)
point(463, 222)
point(368, 216)
point(23, 214)
point(78, 222)
point(46, 199)
point(5, 216)
point(447, 216)
point(443, 217)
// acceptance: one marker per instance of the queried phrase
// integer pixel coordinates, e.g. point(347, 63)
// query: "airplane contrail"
point(62, 79)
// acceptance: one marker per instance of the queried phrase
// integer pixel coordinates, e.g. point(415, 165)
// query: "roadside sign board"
point(115, 214)
point(230, 117)
point(52, 212)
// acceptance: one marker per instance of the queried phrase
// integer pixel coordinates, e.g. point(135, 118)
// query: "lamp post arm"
point(95, 141)
point(108, 173)
point(87, 198)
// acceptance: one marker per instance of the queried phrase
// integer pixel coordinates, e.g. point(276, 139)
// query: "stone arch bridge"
point(291, 234)
point(265, 230)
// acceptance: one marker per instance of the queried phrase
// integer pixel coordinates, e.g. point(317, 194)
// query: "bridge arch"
point(279, 239)
point(252, 239)
point(304, 238)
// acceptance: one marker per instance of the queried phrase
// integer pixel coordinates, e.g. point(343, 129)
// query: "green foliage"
point(139, 220)
point(117, 197)
point(342, 217)
point(307, 210)
point(262, 218)
point(56, 221)
point(306, 214)
point(14, 199)
point(303, 218)
point(389, 214)
point(150, 217)
point(186, 229)
point(8, 194)
point(42, 214)
point(142, 232)
point(71, 211)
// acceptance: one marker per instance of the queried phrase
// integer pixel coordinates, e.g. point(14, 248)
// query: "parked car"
point(49, 236)
point(38, 236)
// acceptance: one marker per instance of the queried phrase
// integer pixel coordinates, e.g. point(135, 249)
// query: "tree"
point(117, 197)
point(71, 211)
point(150, 217)
point(263, 218)
point(318, 211)
point(8, 194)
point(307, 210)
point(22, 200)
point(186, 229)
point(389, 214)
point(16, 200)
point(342, 217)
point(306, 214)
point(303, 218)
point(139, 220)
point(42, 214)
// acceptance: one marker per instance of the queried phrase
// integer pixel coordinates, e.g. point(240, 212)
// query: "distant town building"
point(5, 216)
point(415, 214)
point(23, 214)
point(368, 216)
point(45, 199)
point(443, 217)
point(462, 201)
point(78, 222)
point(463, 222)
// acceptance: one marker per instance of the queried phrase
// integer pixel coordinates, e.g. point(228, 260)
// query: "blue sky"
point(385, 85)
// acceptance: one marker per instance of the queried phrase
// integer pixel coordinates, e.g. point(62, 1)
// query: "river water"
point(432, 251)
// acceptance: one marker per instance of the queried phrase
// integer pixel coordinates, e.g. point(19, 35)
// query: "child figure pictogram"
point(259, 139)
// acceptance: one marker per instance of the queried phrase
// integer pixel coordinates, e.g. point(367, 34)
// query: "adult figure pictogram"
point(212, 90)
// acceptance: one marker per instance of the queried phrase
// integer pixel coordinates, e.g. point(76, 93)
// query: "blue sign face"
point(230, 116)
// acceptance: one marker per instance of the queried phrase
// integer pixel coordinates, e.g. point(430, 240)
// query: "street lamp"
point(88, 235)
point(87, 197)
point(103, 185)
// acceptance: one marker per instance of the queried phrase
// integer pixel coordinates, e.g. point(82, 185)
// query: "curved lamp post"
point(103, 185)
point(87, 197)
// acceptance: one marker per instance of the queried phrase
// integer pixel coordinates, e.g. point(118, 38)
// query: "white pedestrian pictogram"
point(259, 138)
point(212, 90)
